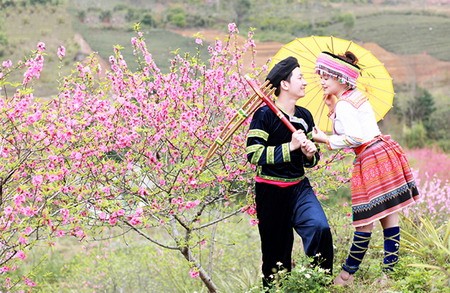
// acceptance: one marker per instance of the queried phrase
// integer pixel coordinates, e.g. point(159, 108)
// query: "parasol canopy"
point(374, 80)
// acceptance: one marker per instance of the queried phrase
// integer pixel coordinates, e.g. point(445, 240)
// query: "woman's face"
point(330, 85)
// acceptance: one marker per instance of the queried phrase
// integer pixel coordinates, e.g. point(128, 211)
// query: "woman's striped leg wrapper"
point(357, 251)
point(391, 248)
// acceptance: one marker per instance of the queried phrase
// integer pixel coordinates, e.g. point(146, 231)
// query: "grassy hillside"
point(404, 33)
point(409, 29)
point(161, 43)
point(406, 28)
point(24, 27)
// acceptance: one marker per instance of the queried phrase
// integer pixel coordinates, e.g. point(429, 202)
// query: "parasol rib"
point(374, 80)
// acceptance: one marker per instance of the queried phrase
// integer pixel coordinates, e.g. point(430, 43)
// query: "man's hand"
point(298, 139)
point(309, 149)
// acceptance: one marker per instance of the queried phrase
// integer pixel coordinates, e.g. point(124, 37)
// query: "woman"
point(381, 183)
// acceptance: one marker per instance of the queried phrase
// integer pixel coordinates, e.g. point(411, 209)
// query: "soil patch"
point(421, 69)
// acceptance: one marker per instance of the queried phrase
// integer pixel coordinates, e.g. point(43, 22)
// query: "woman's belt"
point(364, 146)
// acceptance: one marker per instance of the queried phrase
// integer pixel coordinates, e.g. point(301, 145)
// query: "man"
point(284, 197)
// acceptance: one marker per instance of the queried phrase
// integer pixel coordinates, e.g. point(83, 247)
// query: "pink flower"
point(37, 180)
point(112, 221)
point(29, 282)
point(7, 63)
point(20, 254)
point(5, 269)
point(19, 199)
point(135, 221)
point(199, 41)
point(80, 234)
point(232, 28)
point(34, 68)
point(8, 210)
point(28, 230)
point(250, 210)
point(254, 222)
point(60, 233)
point(41, 46)
point(192, 204)
point(65, 213)
point(142, 192)
point(139, 211)
point(76, 156)
point(102, 216)
point(192, 181)
point(61, 52)
point(194, 273)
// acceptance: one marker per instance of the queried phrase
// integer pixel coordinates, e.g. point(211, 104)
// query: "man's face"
point(297, 83)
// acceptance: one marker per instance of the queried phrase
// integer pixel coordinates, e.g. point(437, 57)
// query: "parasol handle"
point(270, 104)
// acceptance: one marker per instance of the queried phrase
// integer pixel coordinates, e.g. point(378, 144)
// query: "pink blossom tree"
point(123, 151)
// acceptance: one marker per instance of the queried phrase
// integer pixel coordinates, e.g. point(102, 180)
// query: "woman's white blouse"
point(354, 122)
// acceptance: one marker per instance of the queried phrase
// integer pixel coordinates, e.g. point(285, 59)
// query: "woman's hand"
point(319, 136)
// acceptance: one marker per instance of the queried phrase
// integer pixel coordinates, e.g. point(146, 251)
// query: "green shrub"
point(430, 243)
point(147, 19)
point(303, 278)
point(176, 16)
point(415, 136)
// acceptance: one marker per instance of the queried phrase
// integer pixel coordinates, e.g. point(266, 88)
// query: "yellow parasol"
point(374, 80)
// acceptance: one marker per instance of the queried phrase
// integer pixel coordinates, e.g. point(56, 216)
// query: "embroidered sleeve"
point(258, 150)
point(313, 162)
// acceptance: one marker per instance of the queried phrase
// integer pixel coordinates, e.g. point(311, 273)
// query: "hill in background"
point(410, 37)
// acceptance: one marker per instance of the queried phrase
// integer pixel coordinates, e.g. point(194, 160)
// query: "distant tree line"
point(198, 14)
point(423, 121)
point(24, 3)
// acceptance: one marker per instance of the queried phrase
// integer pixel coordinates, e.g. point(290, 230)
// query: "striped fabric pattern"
point(382, 182)
point(337, 68)
point(258, 149)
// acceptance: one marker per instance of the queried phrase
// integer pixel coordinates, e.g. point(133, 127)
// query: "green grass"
point(130, 264)
point(406, 34)
point(161, 44)
point(25, 27)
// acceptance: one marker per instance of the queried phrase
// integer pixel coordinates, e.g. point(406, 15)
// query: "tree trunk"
point(204, 276)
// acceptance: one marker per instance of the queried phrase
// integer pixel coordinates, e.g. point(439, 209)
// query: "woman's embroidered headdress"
point(336, 66)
